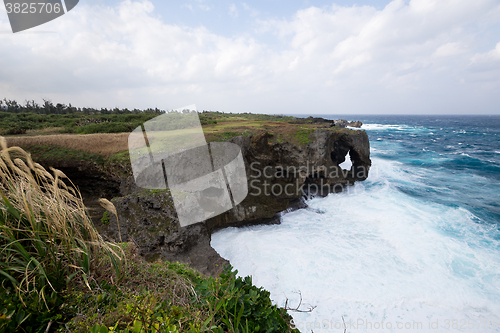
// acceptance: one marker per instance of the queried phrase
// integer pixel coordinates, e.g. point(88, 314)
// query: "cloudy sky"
point(264, 56)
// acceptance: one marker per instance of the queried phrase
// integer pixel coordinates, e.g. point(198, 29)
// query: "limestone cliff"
point(279, 176)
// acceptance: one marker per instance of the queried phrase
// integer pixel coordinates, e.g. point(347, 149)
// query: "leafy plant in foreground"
point(46, 238)
point(236, 305)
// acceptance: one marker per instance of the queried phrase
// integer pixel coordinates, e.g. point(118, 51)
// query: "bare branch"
point(310, 308)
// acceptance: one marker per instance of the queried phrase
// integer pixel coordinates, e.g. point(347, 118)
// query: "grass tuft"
point(47, 239)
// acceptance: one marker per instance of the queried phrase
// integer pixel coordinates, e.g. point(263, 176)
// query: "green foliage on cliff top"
point(80, 123)
point(303, 135)
point(209, 117)
point(49, 153)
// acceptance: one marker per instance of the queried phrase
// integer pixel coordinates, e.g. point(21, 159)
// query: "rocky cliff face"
point(279, 176)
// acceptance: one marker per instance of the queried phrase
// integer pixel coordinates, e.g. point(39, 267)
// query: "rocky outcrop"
point(329, 122)
point(356, 124)
point(344, 123)
point(341, 123)
point(314, 121)
point(279, 176)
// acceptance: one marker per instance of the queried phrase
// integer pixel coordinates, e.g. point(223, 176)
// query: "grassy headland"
point(52, 280)
point(49, 131)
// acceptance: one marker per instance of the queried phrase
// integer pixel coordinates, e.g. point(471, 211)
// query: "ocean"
point(414, 248)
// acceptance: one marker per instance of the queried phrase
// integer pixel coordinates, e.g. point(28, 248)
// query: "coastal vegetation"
point(58, 274)
point(56, 271)
point(32, 124)
point(34, 119)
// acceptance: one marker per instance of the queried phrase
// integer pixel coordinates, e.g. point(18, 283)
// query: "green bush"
point(236, 305)
point(26, 315)
point(149, 302)
point(105, 128)
point(81, 123)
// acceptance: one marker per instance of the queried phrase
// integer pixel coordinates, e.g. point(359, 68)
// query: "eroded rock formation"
point(279, 176)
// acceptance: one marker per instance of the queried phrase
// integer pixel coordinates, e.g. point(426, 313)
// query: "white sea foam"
point(375, 255)
point(385, 127)
point(406, 128)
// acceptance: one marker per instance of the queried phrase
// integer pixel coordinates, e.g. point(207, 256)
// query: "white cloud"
point(197, 4)
point(233, 11)
point(449, 50)
point(203, 6)
point(485, 68)
point(489, 58)
point(251, 10)
point(415, 57)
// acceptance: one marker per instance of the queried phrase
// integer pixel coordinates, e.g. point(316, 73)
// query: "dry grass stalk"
point(108, 205)
point(46, 235)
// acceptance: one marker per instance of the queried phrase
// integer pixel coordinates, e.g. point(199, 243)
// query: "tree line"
point(47, 107)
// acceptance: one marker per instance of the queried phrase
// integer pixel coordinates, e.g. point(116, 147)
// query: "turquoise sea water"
point(414, 248)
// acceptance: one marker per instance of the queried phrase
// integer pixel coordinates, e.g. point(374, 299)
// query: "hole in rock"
point(347, 164)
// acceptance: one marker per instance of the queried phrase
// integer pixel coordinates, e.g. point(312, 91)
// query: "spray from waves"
point(377, 256)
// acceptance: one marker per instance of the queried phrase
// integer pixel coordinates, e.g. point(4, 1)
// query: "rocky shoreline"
point(280, 175)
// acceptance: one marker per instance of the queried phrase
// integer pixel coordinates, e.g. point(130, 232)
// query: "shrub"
point(105, 128)
point(105, 218)
point(236, 305)
point(151, 296)
point(171, 297)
